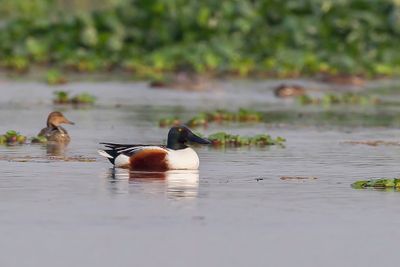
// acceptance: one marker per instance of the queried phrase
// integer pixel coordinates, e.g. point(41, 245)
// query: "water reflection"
point(54, 149)
point(175, 184)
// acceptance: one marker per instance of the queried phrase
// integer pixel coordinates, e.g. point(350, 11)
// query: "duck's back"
point(59, 135)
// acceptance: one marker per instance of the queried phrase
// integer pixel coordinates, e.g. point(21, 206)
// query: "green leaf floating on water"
point(337, 99)
point(216, 116)
point(225, 139)
point(12, 137)
point(40, 139)
point(383, 183)
point(62, 97)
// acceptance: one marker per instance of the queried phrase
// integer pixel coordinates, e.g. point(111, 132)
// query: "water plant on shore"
point(217, 116)
point(336, 99)
point(383, 183)
point(223, 139)
point(242, 37)
point(12, 137)
point(62, 97)
point(54, 77)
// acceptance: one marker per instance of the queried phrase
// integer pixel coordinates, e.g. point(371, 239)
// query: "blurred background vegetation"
point(239, 37)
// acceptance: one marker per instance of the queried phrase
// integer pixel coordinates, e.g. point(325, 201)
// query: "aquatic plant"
point(225, 139)
point(40, 139)
point(12, 137)
point(169, 121)
point(83, 98)
point(335, 99)
point(384, 183)
point(54, 77)
point(145, 37)
point(216, 116)
point(62, 97)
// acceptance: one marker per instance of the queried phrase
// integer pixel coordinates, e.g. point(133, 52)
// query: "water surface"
point(235, 211)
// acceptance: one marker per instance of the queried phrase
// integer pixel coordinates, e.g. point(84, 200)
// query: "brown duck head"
point(56, 118)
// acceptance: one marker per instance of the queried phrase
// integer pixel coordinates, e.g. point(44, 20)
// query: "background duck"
point(285, 90)
point(54, 132)
point(177, 155)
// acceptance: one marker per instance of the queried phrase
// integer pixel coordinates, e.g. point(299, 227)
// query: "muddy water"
point(235, 211)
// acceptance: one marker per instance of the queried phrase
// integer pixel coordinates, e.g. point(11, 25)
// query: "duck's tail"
point(109, 154)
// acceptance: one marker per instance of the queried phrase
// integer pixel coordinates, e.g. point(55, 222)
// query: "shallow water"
point(235, 211)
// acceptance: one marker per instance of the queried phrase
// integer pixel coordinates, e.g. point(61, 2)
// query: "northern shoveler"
point(175, 156)
point(54, 132)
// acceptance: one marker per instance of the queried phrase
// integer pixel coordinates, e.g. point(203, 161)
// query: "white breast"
point(182, 159)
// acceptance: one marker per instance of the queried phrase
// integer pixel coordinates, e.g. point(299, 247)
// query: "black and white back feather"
point(114, 150)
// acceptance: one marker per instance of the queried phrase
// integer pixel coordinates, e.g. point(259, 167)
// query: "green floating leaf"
point(383, 183)
point(54, 77)
point(334, 99)
point(62, 97)
point(40, 139)
point(225, 139)
point(12, 137)
point(217, 116)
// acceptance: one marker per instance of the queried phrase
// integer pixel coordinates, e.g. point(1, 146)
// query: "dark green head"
point(178, 136)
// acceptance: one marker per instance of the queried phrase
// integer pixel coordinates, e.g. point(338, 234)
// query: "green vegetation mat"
point(62, 97)
point(239, 37)
point(384, 183)
point(216, 116)
point(12, 138)
point(224, 139)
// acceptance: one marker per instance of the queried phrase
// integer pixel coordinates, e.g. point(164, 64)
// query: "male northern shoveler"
point(54, 132)
point(175, 156)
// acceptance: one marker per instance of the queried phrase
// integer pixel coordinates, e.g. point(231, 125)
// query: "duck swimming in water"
point(54, 132)
point(177, 155)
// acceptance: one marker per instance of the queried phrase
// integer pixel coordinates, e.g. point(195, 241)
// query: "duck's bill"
point(70, 122)
point(197, 139)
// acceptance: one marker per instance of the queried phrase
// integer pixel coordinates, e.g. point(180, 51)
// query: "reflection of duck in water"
point(176, 183)
point(54, 132)
point(175, 156)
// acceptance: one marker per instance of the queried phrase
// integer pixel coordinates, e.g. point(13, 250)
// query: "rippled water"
point(235, 211)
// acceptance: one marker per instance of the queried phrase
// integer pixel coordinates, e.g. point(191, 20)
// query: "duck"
point(54, 132)
point(285, 90)
point(176, 155)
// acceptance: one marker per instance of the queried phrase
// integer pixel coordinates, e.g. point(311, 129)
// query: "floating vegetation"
point(373, 143)
point(54, 77)
point(171, 121)
point(225, 139)
point(62, 97)
point(83, 98)
point(40, 139)
point(383, 183)
point(217, 116)
point(333, 99)
point(12, 138)
point(298, 178)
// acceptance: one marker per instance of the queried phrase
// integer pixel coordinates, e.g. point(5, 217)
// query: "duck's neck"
point(175, 145)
